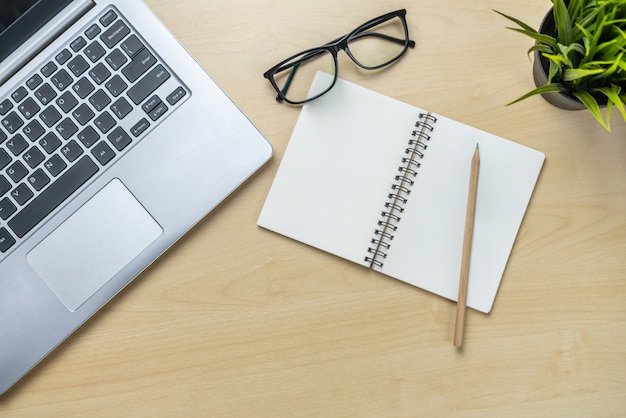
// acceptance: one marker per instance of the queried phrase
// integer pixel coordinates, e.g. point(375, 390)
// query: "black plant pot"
point(541, 68)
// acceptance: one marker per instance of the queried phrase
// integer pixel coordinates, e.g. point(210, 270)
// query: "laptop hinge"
point(43, 37)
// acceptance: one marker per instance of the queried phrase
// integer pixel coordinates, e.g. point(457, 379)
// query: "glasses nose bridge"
point(340, 44)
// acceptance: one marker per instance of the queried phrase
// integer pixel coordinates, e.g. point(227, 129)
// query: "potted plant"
point(580, 56)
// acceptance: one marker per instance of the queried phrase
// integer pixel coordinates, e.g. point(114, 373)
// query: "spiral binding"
point(408, 170)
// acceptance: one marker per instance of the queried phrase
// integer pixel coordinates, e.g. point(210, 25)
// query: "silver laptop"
point(113, 143)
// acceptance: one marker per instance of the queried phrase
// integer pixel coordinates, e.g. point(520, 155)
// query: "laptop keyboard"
point(88, 104)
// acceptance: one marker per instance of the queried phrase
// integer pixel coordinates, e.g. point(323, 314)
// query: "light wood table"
point(236, 321)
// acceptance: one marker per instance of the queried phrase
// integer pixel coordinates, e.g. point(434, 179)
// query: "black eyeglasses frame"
point(333, 47)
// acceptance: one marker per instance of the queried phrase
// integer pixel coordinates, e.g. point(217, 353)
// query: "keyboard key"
point(147, 85)
point(140, 127)
point(104, 122)
point(67, 101)
point(45, 94)
point(119, 138)
point(63, 56)
point(83, 114)
point(103, 153)
point(158, 111)
point(17, 171)
point(61, 80)
point(83, 87)
point(94, 51)
point(115, 34)
point(55, 165)
point(116, 59)
point(92, 31)
point(22, 194)
point(108, 18)
point(132, 46)
point(29, 108)
point(50, 142)
point(7, 208)
point(12, 122)
point(99, 73)
point(48, 69)
point(5, 106)
point(5, 159)
point(116, 86)
point(5, 186)
point(34, 82)
point(33, 157)
point(50, 116)
point(139, 65)
point(78, 65)
point(34, 130)
point(176, 95)
point(121, 108)
point(3, 136)
point(19, 94)
point(38, 180)
point(6, 240)
point(53, 196)
point(66, 128)
point(71, 151)
point(88, 136)
point(151, 103)
point(99, 100)
point(78, 44)
point(17, 144)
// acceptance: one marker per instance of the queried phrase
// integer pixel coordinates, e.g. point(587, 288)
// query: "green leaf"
point(544, 49)
point(554, 71)
point(563, 23)
point(559, 60)
point(610, 48)
point(613, 68)
point(575, 9)
point(598, 32)
point(584, 31)
point(571, 74)
point(539, 37)
point(576, 47)
point(612, 94)
point(548, 88)
point(609, 108)
point(529, 31)
point(587, 20)
point(591, 104)
point(518, 22)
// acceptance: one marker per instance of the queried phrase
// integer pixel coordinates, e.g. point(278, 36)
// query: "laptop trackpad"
point(94, 244)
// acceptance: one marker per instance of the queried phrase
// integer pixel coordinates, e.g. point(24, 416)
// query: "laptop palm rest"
point(94, 244)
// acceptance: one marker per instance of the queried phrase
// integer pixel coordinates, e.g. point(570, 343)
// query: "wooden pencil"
point(467, 250)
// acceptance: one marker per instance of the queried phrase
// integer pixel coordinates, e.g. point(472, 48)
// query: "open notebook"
point(384, 184)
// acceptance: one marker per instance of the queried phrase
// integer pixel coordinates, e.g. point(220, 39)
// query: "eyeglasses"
point(373, 45)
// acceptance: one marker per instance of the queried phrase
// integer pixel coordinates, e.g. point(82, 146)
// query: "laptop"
point(113, 143)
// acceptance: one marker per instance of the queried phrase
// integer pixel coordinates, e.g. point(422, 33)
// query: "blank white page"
point(337, 170)
point(430, 233)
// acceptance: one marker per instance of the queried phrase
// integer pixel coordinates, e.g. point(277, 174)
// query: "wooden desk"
point(237, 321)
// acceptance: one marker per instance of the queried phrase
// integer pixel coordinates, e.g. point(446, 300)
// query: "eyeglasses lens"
point(294, 78)
point(377, 46)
